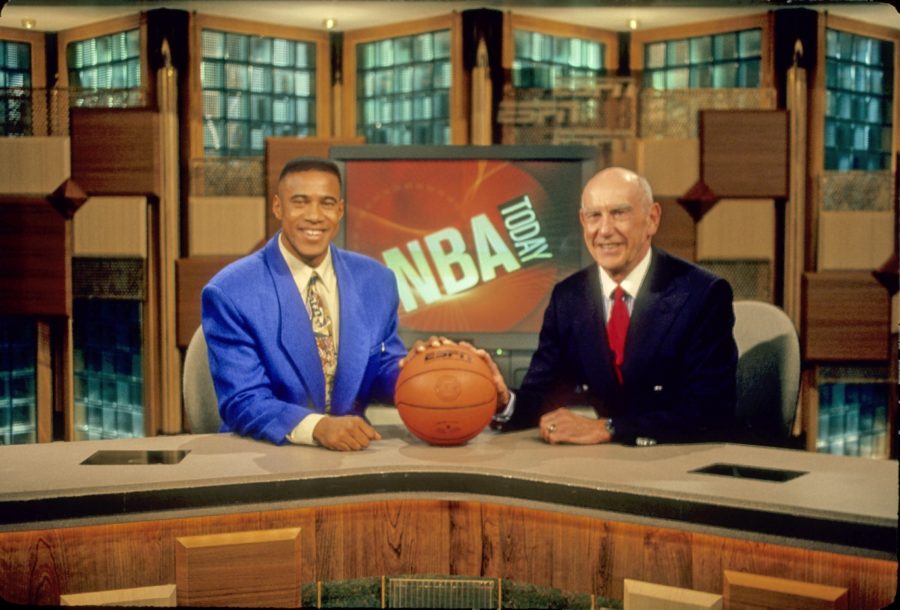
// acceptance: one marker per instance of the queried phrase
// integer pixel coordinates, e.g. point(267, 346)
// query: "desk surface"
point(842, 504)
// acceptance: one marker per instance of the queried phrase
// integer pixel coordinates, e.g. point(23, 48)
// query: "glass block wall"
point(18, 357)
point(255, 87)
point(853, 411)
point(718, 61)
point(541, 59)
point(109, 63)
point(15, 84)
point(859, 101)
point(403, 89)
point(15, 64)
point(109, 399)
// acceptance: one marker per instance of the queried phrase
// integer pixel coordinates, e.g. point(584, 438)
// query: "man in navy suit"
point(673, 380)
point(264, 352)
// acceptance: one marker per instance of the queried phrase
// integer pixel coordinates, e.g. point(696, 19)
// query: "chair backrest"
point(200, 403)
point(768, 373)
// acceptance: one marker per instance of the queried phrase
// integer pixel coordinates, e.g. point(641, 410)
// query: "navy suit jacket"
point(679, 373)
point(262, 352)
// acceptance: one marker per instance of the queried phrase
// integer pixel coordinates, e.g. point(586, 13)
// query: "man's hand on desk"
point(346, 433)
point(564, 426)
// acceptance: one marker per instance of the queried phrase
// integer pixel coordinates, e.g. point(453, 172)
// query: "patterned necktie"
point(617, 328)
point(324, 333)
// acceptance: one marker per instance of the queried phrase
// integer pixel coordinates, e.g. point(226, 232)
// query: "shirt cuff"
point(302, 434)
point(504, 416)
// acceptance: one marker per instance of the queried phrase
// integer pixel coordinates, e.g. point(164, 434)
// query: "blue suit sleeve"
point(240, 369)
point(383, 366)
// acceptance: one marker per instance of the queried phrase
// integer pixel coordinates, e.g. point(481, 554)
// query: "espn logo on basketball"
point(442, 264)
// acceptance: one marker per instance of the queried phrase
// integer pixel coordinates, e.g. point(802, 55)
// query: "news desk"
point(503, 505)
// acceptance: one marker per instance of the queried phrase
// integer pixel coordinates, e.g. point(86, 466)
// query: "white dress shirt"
point(302, 434)
point(631, 284)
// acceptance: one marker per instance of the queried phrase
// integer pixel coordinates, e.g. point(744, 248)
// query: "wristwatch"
point(610, 427)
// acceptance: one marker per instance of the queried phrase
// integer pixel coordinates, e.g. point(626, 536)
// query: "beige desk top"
point(838, 503)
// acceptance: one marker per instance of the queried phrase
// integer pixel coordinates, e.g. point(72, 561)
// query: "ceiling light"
point(633, 24)
point(28, 24)
point(329, 23)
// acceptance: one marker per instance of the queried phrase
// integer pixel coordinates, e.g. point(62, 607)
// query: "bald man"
point(643, 337)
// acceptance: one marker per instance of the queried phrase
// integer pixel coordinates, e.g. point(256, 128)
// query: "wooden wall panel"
point(855, 240)
point(33, 165)
point(744, 153)
point(192, 274)
point(111, 226)
point(671, 166)
point(35, 264)
point(116, 152)
point(231, 226)
point(677, 231)
point(391, 537)
point(846, 317)
point(737, 229)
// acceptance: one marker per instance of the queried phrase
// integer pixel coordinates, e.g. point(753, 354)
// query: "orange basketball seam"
point(447, 408)
point(476, 373)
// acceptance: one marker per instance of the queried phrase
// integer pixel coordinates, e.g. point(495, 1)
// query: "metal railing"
point(37, 111)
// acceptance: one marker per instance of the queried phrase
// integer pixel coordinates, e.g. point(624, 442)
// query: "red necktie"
point(617, 328)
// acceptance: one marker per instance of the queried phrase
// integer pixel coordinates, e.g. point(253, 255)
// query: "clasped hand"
point(564, 426)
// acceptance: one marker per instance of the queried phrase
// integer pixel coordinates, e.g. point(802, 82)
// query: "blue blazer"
point(262, 353)
point(679, 373)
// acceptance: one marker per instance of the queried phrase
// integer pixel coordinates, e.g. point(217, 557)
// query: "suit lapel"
point(353, 349)
point(590, 326)
point(654, 310)
point(296, 335)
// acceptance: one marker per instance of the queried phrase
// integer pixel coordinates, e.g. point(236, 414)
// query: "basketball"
point(446, 395)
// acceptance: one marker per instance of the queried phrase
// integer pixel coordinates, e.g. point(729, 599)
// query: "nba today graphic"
point(472, 243)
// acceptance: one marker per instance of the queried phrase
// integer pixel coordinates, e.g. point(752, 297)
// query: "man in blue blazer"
point(675, 378)
point(263, 354)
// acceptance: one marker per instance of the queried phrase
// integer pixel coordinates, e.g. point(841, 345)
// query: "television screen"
point(476, 235)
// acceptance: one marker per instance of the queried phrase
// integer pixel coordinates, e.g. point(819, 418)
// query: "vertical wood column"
point(795, 221)
point(795, 212)
point(169, 246)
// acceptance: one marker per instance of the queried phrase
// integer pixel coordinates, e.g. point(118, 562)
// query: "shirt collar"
point(632, 282)
point(301, 272)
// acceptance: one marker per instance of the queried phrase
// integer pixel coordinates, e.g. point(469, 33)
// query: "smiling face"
point(618, 218)
point(310, 208)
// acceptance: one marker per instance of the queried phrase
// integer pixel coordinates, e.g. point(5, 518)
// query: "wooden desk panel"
point(579, 519)
point(393, 537)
